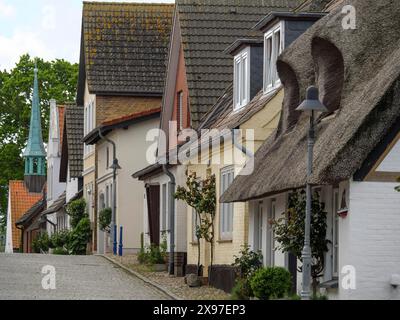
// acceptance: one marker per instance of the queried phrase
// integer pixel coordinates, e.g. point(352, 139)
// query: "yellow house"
point(252, 104)
point(257, 120)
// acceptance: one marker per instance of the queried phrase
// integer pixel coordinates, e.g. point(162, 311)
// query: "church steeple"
point(35, 154)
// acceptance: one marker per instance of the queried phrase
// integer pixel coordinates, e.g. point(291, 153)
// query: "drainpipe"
point(115, 166)
point(242, 147)
point(171, 218)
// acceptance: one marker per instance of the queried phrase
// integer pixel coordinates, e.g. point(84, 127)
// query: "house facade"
point(129, 135)
point(130, 82)
point(355, 155)
point(198, 73)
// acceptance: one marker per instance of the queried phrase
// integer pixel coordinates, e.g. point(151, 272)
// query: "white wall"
point(54, 187)
point(131, 153)
point(370, 240)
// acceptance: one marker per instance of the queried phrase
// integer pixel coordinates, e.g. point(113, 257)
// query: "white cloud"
point(21, 42)
point(6, 10)
point(49, 17)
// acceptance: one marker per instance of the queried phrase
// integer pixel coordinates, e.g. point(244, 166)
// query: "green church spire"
point(35, 154)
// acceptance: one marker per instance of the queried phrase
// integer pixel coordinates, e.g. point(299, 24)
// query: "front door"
point(153, 210)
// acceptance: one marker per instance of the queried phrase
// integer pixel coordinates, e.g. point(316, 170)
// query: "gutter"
point(171, 219)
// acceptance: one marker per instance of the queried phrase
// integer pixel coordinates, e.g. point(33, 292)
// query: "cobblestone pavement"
point(77, 277)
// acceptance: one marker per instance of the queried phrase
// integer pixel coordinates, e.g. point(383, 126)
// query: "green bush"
point(241, 290)
point(271, 283)
point(41, 243)
point(60, 239)
point(60, 251)
point(152, 255)
point(80, 236)
point(248, 262)
point(77, 211)
point(105, 219)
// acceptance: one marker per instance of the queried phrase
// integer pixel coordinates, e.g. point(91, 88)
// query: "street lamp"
point(310, 105)
point(115, 166)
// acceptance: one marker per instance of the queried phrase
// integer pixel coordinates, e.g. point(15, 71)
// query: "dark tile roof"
point(369, 105)
point(208, 27)
point(56, 205)
point(125, 46)
point(222, 116)
point(74, 132)
point(33, 212)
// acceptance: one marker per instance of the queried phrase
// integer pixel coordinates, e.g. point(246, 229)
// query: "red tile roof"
point(21, 201)
point(132, 116)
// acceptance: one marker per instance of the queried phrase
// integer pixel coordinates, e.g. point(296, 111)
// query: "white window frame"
point(335, 234)
point(226, 209)
point(271, 77)
point(88, 124)
point(241, 79)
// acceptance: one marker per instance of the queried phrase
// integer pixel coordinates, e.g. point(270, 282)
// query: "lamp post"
point(310, 105)
point(115, 166)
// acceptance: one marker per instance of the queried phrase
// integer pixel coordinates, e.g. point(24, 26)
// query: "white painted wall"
point(72, 187)
point(9, 241)
point(370, 240)
point(131, 153)
point(54, 187)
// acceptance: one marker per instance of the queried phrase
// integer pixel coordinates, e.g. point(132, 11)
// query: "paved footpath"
point(77, 277)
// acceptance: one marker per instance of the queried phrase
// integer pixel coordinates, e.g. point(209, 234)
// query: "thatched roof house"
point(357, 72)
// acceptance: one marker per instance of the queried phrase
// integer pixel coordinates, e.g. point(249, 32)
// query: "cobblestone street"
point(77, 277)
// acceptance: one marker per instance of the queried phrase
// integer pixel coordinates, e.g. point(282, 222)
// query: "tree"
point(57, 80)
point(289, 232)
point(201, 196)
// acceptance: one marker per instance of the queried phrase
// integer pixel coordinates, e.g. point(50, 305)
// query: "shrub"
point(248, 262)
point(241, 290)
point(80, 236)
point(41, 243)
point(60, 239)
point(105, 219)
point(77, 211)
point(155, 255)
point(271, 283)
point(60, 251)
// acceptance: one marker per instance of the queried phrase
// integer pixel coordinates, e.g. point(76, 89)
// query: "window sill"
point(225, 241)
point(331, 284)
point(194, 243)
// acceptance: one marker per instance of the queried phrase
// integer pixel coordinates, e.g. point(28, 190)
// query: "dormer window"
point(241, 79)
point(273, 46)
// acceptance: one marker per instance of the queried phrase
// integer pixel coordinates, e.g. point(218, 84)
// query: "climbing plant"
point(289, 232)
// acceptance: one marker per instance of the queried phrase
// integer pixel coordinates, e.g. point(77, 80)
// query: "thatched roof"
point(368, 104)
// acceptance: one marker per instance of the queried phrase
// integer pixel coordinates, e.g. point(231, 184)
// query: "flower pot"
point(159, 267)
point(193, 280)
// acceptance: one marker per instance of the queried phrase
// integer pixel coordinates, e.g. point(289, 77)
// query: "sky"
point(50, 29)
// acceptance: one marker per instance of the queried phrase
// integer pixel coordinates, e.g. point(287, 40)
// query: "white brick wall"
point(370, 240)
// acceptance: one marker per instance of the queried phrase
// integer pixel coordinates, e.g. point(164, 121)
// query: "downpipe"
point(172, 184)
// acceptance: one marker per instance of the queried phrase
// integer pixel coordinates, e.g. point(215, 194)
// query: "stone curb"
point(143, 278)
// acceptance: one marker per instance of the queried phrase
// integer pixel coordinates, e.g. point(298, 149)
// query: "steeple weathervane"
point(35, 154)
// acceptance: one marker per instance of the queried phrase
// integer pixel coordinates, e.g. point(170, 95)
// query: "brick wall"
point(112, 107)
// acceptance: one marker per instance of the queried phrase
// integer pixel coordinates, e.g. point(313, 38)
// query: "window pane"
point(269, 62)
point(277, 51)
point(243, 81)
